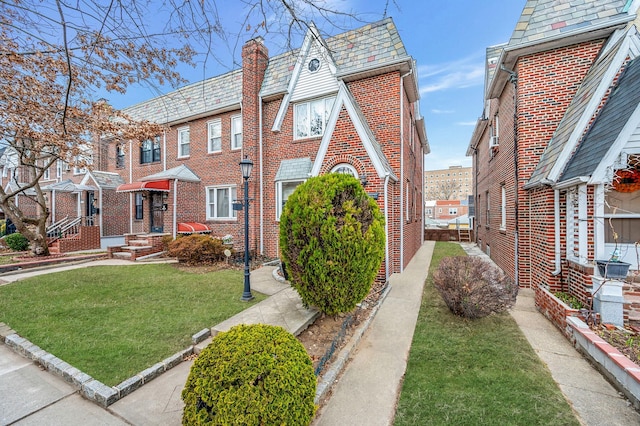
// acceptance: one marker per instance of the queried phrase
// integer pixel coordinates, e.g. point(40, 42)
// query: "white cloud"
point(466, 123)
point(442, 111)
point(465, 72)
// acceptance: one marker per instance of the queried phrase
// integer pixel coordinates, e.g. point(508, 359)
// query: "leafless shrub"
point(473, 288)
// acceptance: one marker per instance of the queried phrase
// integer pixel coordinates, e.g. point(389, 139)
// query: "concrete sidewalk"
point(366, 392)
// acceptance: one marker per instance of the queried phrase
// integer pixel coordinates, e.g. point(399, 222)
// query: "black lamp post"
point(246, 166)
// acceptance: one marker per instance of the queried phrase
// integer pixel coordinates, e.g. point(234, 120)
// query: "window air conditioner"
point(493, 142)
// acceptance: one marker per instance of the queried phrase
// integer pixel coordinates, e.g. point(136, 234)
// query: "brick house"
point(559, 129)
point(348, 103)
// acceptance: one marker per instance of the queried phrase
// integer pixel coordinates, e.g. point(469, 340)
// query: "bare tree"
point(444, 190)
point(56, 55)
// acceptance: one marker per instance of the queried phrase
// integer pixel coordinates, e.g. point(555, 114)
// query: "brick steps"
point(137, 246)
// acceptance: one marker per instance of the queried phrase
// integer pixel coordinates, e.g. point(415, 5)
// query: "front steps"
point(138, 246)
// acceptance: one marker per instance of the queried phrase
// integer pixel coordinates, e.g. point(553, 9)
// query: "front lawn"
point(114, 321)
point(475, 372)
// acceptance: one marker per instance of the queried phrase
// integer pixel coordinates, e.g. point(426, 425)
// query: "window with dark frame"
point(149, 151)
point(139, 209)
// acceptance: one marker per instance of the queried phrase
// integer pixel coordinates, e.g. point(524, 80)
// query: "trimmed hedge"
point(332, 242)
point(197, 249)
point(251, 375)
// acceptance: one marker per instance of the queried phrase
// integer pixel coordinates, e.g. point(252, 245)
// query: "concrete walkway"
point(366, 392)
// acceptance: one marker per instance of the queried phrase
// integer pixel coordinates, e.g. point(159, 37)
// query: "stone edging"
point(338, 364)
point(620, 370)
point(89, 387)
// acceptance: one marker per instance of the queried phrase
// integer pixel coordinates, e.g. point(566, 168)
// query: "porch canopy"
point(193, 228)
point(154, 185)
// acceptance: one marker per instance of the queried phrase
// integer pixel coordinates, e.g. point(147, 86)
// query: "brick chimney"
point(255, 58)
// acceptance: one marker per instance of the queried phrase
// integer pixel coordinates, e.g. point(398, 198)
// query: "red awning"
point(154, 185)
point(192, 228)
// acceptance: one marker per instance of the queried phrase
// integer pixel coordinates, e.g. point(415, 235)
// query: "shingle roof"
point(296, 168)
point(546, 19)
point(107, 179)
point(574, 113)
point(622, 102)
point(215, 93)
point(181, 172)
point(491, 65)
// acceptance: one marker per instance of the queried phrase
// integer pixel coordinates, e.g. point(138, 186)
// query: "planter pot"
point(613, 270)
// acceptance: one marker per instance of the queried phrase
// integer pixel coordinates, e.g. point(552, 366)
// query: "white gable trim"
point(628, 48)
point(343, 99)
point(604, 173)
point(311, 36)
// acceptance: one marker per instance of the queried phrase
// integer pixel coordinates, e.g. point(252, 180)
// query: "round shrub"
point(17, 242)
point(332, 242)
point(251, 375)
point(197, 249)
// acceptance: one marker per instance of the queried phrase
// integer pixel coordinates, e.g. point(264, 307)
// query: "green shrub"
point(197, 249)
point(17, 242)
point(473, 288)
point(332, 242)
point(251, 375)
point(569, 300)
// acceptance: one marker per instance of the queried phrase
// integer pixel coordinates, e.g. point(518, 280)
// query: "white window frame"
point(503, 208)
point(453, 211)
point(214, 136)
point(340, 168)
point(302, 117)
point(232, 198)
point(59, 169)
point(46, 175)
point(236, 132)
point(279, 197)
point(182, 144)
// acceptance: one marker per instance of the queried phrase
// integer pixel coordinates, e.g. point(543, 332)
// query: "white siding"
point(633, 144)
point(316, 84)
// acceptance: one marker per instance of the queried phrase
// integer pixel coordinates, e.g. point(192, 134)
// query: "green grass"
point(475, 372)
point(113, 322)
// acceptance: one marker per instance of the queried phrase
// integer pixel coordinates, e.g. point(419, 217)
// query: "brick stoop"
point(137, 246)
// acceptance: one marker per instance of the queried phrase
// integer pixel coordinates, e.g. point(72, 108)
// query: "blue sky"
point(447, 39)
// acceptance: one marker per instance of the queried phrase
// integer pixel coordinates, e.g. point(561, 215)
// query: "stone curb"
point(90, 388)
point(337, 366)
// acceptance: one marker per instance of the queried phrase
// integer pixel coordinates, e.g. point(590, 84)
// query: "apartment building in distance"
point(453, 183)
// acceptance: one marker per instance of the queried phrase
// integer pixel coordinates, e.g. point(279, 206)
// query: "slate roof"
point(374, 45)
point(296, 168)
point(621, 104)
point(107, 180)
point(371, 46)
point(574, 112)
point(492, 60)
point(196, 99)
point(547, 19)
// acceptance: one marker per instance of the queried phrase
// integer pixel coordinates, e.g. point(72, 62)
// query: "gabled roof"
point(607, 136)
point(364, 49)
point(105, 180)
point(68, 186)
point(182, 172)
point(550, 24)
point(371, 145)
point(583, 106)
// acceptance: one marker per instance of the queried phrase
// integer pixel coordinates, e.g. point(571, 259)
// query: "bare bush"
point(473, 288)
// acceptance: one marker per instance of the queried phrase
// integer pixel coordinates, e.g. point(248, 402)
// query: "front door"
point(91, 209)
point(157, 212)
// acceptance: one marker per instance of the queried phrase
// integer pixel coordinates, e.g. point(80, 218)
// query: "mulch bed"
point(626, 340)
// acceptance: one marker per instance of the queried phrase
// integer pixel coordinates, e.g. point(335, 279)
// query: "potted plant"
point(613, 268)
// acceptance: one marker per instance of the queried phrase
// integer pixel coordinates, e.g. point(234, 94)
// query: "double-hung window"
point(215, 136)
point(149, 151)
point(310, 118)
point(283, 190)
point(236, 132)
point(220, 202)
point(120, 156)
point(184, 142)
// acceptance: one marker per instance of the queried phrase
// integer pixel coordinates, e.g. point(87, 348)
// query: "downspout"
point(386, 225)
point(556, 219)
point(131, 180)
point(101, 211)
point(402, 182)
point(261, 231)
point(53, 206)
point(175, 210)
point(164, 149)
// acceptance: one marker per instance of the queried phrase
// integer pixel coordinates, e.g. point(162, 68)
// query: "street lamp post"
point(246, 166)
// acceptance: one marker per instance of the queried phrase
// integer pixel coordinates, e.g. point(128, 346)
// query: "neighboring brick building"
point(454, 183)
point(347, 104)
point(543, 180)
